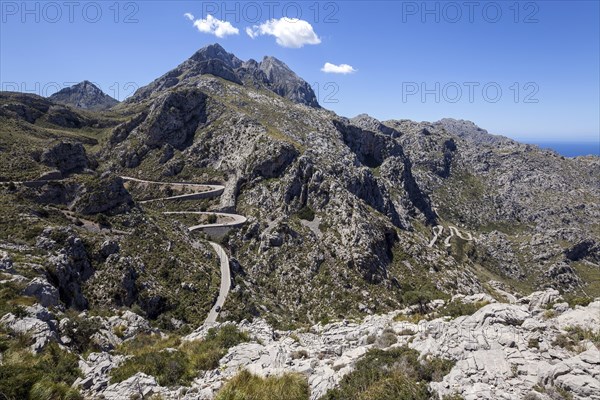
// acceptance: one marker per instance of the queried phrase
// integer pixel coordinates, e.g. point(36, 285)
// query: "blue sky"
point(415, 60)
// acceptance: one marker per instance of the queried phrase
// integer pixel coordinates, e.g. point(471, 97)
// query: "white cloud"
point(338, 69)
point(214, 26)
point(289, 32)
point(189, 16)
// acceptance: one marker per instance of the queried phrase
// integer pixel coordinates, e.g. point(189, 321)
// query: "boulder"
point(585, 317)
point(139, 385)
point(539, 300)
point(108, 248)
point(43, 291)
point(41, 332)
point(6, 262)
point(107, 195)
point(577, 375)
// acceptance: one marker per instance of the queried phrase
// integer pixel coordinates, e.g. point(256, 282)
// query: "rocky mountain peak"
point(276, 69)
point(283, 81)
point(84, 95)
point(271, 74)
point(216, 52)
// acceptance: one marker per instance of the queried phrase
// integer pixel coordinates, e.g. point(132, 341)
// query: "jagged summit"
point(271, 74)
point(215, 52)
point(84, 95)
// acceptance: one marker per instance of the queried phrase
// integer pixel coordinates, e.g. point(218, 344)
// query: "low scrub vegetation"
point(172, 362)
point(246, 386)
point(579, 301)
point(306, 213)
point(571, 340)
point(456, 309)
point(47, 375)
point(392, 374)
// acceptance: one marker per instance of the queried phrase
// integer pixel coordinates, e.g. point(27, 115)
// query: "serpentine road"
point(454, 231)
point(204, 191)
point(438, 229)
point(230, 220)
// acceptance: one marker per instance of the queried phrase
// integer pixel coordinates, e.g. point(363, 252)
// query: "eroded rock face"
point(140, 384)
point(37, 322)
point(68, 269)
point(66, 157)
point(115, 283)
point(174, 119)
point(106, 195)
point(171, 120)
point(577, 375)
point(283, 81)
point(46, 294)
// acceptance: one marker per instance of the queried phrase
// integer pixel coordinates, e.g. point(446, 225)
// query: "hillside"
point(110, 218)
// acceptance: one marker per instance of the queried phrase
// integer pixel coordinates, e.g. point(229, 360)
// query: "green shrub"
point(387, 338)
point(205, 355)
point(80, 330)
point(103, 221)
point(418, 297)
point(212, 218)
point(246, 386)
point(392, 374)
point(572, 339)
point(579, 301)
point(306, 213)
point(170, 368)
point(454, 397)
point(457, 308)
point(299, 354)
point(11, 300)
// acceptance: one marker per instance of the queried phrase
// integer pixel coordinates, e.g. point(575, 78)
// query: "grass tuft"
point(246, 386)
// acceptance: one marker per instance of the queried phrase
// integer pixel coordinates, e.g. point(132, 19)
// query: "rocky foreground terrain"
point(450, 262)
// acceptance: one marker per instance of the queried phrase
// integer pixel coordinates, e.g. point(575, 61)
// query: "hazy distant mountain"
point(84, 95)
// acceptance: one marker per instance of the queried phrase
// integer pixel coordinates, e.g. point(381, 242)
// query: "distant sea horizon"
point(568, 149)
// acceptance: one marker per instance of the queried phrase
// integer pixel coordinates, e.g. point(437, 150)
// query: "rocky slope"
point(537, 348)
point(340, 225)
point(84, 95)
point(375, 189)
